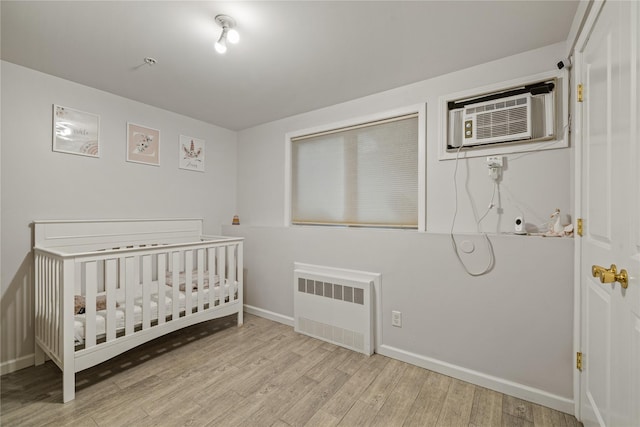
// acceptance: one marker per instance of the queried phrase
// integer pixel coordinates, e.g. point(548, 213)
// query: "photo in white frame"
point(191, 154)
point(76, 132)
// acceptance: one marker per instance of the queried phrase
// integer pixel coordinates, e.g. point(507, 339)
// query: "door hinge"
point(579, 361)
point(579, 227)
point(580, 94)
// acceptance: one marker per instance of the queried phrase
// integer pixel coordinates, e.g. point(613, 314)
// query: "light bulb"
point(233, 36)
point(220, 46)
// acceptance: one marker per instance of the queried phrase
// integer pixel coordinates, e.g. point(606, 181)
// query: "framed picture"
point(191, 153)
point(75, 132)
point(143, 145)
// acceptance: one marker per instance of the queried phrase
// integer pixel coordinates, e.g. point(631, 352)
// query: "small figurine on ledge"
point(556, 229)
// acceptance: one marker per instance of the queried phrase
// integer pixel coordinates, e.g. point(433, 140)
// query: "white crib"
point(139, 279)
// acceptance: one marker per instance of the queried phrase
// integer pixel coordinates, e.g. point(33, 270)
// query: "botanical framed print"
point(191, 156)
point(75, 131)
point(143, 144)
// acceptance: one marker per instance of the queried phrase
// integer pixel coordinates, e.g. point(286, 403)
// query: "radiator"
point(334, 305)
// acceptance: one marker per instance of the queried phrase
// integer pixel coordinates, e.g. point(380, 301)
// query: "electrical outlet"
point(494, 162)
point(396, 319)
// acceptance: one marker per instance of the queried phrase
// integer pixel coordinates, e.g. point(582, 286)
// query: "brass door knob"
point(611, 275)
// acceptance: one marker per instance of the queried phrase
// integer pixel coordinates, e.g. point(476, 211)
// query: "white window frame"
point(420, 109)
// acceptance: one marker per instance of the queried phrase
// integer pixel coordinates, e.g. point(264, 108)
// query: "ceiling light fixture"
point(229, 33)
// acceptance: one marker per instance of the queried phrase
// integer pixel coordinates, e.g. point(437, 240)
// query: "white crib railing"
point(48, 318)
point(136, 277)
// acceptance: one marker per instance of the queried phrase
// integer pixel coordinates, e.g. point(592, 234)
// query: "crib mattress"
point(101, 315)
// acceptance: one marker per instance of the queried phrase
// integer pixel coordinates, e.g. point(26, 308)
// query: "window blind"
point(363, 175)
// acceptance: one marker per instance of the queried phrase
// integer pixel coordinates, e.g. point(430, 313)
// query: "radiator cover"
point(334, 305)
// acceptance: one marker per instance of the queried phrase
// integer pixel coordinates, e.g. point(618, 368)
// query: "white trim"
point(501, 385)
point(561, 139)
point(287, 179)
point(589, 23)
point(422, 119)
point(577, 25)
point(358, 126)
point(355, 121)
point(422, 169)
point(17, 364)
point(260, 312)
point(83, 235)
point(89, 221)
point(576, 135)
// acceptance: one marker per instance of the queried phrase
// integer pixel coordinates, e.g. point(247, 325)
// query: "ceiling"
point(293, 56)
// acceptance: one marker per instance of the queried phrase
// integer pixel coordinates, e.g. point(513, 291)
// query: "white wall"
point(533, 185)
point(508, 330)
point(38, 183)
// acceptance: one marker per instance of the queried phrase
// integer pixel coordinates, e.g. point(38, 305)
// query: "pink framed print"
point(143, 145)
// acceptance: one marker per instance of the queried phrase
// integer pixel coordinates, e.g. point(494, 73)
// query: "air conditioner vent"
point(501, 123)
point(517, 115)
point(494, 121)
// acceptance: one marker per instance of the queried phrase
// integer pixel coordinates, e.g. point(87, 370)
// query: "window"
point(362, 175)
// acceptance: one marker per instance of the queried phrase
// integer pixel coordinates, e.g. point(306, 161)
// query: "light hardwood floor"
point(262, 374)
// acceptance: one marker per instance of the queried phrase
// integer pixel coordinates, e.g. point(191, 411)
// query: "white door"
point(610, 206)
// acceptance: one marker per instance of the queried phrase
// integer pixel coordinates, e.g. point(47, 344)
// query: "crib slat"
point(37, 297)
point(43, 301)
point(240, 282)
point(80, 287)
point(51, 303)
point(188, 281)
point(110, 288)
point(91, 286)
point(57, 333)
point(162, 278)
point(222, 274)
point(211, 267)
point(67, 284)
point(38, 350)
point(231, 281)
point(175, 300)
point(45, 304)
point(146, 291)
point(41, 289)
point(200, 261)
point(122, 279)
point(131, 267)
point(43, 298)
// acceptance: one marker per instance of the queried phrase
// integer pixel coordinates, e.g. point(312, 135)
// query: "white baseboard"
point(269, 315)
point(17, 364)
point(501, 385)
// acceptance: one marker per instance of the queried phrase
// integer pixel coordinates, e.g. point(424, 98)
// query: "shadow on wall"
point(16, 314)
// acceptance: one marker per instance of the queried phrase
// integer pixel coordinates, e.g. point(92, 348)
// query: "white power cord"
point(492, 257)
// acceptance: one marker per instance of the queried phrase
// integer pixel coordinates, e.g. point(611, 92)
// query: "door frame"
point(590, 11)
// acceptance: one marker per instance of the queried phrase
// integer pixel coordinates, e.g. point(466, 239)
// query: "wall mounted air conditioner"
point(525, 114)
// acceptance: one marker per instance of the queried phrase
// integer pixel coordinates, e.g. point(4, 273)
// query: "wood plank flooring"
point(262, 374)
